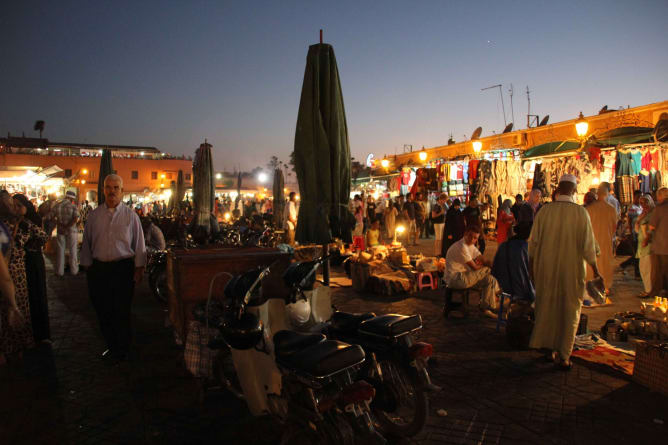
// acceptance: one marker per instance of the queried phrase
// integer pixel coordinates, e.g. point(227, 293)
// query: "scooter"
point(306, 381)
point(396, 363)
point(156, 268)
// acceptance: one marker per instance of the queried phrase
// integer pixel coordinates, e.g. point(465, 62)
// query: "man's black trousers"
point(111, 287)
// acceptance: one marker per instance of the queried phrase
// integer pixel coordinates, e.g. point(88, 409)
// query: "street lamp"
point(581, 126)
point(423, 155)
point(477, 146)
point(385, 163)
point(219, 176)
point(262, 177)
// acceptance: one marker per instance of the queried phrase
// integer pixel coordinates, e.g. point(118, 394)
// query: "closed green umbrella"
point(180, 191)
point(279, 198)
point(322, 152)
point(106, 169)
point(203, 185)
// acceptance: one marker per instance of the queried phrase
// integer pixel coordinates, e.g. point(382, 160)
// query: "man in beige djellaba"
point(603, 218)
point(561, 244)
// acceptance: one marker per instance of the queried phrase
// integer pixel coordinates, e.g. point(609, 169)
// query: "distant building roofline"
point(22, 142)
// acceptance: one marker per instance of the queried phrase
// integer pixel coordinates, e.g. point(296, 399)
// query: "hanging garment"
point(644, 181)
point(636, 156)
point(625, 188)
point(473, 169)
point(624, 163)
point(654, 181)
point(654, 155)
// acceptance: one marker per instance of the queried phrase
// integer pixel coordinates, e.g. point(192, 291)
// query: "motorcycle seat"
point(347, 322)
point(324, 359)
point(287, 343)
point(390, 325)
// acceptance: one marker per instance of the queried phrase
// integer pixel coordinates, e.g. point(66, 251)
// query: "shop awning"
point(550, 148)
point(624, 135)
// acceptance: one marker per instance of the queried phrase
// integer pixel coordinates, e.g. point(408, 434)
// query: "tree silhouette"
point(39, 126)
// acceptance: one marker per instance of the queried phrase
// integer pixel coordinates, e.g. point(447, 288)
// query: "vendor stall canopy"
point(624, 135)
point(550, 148)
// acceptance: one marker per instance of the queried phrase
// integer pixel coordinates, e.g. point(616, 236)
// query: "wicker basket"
point(651, 366)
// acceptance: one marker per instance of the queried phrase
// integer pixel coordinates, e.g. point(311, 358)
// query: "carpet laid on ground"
point(608, 356)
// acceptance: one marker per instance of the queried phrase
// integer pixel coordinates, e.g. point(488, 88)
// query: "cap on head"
point(569, 178)
point(70, 194)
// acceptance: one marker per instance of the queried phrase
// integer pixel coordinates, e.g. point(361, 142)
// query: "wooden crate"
point(651, 366)
point(189, 273)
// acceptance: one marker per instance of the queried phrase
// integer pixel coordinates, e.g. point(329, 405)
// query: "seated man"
point(511, 265)
point(153, 237)
point(465, 268)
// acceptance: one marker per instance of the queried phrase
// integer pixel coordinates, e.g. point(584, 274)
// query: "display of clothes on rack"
point(639, 167)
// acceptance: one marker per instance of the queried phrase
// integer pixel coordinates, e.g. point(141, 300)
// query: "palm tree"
point(39, 126)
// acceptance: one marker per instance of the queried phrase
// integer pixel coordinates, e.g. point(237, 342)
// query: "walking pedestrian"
point(35, 271)
point(114, 254)
point(604, 223)
point(66, 228)
point(561, 241)
point(438, 218)
point(454, 227)
point(643, 253)
point(410, 212)
point(658, 236)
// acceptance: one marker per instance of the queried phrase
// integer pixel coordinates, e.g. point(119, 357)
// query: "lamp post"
point(581, 127)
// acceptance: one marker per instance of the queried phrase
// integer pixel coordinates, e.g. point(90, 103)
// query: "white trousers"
point(645, 266)
point(67, 241)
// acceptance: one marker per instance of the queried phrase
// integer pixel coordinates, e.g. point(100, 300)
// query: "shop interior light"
point(219, 176)
point(162, 176)
point(227, 216)
point(385, 163)
point(141, 153)
point(423, 155)
point(84, 171)
point(581, 126)
point(477, 146)
point(399, 229)
point(298, 197)
point(83, 181)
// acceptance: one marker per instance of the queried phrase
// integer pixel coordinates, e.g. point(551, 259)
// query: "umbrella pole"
point(325, 265)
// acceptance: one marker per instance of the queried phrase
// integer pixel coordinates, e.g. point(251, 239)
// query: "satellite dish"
point(508, 128)
point(476, 133)
point(603, 110)
point(544, 121)
point(661, 128)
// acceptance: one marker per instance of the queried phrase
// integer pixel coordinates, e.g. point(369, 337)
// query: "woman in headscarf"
point(504, 222)
point(14, 340)
point(589, 198)
point(643, 252)
point(455, 224)
point(35, 271)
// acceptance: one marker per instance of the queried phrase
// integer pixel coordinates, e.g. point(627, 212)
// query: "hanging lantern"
point(477, 146)
point(581, 126)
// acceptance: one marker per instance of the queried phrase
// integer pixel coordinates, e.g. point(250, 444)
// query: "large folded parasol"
point(203, 186)
point(279, 198)
point(322, 152)
point(105, 169)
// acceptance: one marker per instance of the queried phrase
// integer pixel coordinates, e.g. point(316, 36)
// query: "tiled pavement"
point(65, 394)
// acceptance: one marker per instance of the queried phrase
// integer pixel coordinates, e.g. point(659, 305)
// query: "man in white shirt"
point(114, 254)
point(465, 268)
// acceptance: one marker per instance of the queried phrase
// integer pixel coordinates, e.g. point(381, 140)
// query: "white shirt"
point(112, 235)
point(613, 202)
point(458, 255)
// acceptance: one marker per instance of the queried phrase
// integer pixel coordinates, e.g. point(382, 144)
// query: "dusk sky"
point(169, 74)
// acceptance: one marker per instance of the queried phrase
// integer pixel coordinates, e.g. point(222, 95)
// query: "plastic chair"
point(426, 280)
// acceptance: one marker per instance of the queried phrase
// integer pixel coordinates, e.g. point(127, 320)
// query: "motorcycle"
point(156, 268)
point(396, 363)
point(308, 382)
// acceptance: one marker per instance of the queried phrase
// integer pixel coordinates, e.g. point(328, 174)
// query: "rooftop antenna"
point(502, 105)
point(529, 115)
point(511, 91)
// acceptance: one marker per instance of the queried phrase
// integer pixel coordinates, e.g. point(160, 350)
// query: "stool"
point(500, 320)
point(358, 243)
point(449, 305)
point(426, 280)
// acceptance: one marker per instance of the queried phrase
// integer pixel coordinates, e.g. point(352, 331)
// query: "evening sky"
point(169, 74)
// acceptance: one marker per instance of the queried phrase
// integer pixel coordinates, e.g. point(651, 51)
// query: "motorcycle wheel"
point(409, 403)
point(157, 280)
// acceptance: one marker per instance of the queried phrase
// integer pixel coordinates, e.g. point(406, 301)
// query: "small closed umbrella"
point(203, 186)
point(180, 191)
point(279, 198)
point(106, 169)
point(322, 152)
